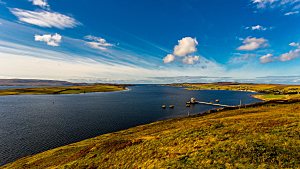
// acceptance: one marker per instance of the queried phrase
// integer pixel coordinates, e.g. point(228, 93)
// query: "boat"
point(193, 100)
point(217, 100)
point(163, 106)
point(171, 106)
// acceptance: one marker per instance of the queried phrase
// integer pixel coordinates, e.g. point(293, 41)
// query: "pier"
point(213, 104)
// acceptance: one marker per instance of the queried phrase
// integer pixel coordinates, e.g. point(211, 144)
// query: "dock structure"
point(213, 104)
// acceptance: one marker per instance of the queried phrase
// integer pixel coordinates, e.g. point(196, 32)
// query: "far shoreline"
point(58, 90)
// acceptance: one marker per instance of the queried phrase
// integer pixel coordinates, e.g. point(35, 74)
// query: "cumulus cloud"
point(40, 3)
point(44, 18)
point(51, 40)
point(169, 58)
point(266, 58)
point(185, 46)
point(294, 44)
point(293, 54)
point(97, 42)
point(291, 13)
point(253, 43)
point(257, 27)
point(190, 60)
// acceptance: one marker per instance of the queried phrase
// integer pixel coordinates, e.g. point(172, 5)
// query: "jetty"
point(213, 104)
point(194, 101)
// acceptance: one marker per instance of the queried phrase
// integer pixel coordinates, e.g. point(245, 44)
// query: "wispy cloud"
point(97, 42)
point(257, 27)
point(252, 43)
point(291, 13)
point(51, 40)
point(288, 7)
point(19, 61)
point(241, 58)
point(44, 18)
point(275, 3)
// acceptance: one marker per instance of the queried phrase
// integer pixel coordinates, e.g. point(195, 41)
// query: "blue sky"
point(133, 41)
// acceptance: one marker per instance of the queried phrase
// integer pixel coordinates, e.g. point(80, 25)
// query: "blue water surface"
point(30, 124)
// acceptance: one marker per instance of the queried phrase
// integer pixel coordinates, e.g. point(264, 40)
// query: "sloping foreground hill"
point(267, 136)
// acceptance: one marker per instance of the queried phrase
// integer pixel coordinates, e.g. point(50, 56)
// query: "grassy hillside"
point(267, 136)
point(63, 89)
point(268, 91)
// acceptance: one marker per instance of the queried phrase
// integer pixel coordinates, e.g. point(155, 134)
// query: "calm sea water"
point(31, 124)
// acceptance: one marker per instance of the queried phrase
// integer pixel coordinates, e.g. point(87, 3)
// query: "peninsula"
point(55, 87)
point(264, 91)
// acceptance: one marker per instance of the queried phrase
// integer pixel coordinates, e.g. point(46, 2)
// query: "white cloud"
point(185, 46)
point(190, 60)
point(291, 13)
point(40, 3)
point(293, 54)
point(274, 3)
point(257, 27)
point(266, 58)
point(294, 44)
point(169, 58)
point(253, 44)
point(97, 42)
point(288, 7)
point(263, 3)
point(44, 18)
point(51, 40)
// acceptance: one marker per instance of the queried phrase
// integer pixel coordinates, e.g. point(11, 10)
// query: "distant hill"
point(34, 82)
